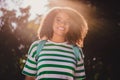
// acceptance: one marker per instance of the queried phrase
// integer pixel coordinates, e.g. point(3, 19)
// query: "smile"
point(61, 28)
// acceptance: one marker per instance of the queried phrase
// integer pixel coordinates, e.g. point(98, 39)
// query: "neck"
point(58, 39)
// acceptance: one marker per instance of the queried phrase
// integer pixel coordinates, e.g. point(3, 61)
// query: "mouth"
point(61, 28)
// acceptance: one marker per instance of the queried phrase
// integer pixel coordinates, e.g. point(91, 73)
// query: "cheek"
point(54, 24)
point(67, 28)
point(54, 27)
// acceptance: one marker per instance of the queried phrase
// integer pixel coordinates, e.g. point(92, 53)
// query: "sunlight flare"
point(38, 7)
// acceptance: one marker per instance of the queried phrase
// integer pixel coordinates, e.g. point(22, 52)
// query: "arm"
point(80, 69)
point(30, 67)
point(29, 78)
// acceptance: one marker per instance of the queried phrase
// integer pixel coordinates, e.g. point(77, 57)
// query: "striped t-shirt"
point(56, 61)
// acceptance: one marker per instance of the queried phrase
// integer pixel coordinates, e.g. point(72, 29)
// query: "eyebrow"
point(58, 17)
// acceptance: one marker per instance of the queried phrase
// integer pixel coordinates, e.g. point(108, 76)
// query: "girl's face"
point(61, 24)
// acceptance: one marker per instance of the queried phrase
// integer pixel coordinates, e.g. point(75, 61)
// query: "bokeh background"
point(20, 19)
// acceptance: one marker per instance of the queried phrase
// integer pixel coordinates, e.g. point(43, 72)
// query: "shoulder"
point(35, 43)
point(33, 47)
point(81, 52)
point(76, 46)
point(78, 49)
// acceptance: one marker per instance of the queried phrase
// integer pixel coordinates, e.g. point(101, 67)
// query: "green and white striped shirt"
point(56, 61)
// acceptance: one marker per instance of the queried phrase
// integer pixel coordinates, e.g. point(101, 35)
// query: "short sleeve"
point(30, 67)
point(80, 69)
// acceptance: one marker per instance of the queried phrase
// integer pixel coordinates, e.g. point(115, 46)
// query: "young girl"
point(62, 27)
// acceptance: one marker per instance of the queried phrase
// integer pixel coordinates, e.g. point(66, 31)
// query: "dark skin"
point(60, 29)
point(29, 78)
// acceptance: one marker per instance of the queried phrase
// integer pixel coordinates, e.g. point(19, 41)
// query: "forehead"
point(62, 14)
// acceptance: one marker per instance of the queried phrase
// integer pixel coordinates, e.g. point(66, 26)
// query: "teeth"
point(60, 28)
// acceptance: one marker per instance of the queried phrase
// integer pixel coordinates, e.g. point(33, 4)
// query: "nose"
point(62, 23)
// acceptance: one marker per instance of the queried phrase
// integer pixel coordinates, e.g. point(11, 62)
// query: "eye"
point(58, 20)
point(67, 23)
